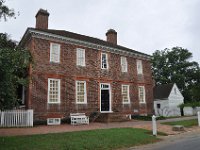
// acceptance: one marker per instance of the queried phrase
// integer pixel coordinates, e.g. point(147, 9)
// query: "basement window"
point(53, 121)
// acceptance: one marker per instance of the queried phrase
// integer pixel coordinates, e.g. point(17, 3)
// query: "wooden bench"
point(79, 118)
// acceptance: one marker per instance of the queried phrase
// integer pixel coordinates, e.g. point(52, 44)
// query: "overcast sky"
point(143, 25)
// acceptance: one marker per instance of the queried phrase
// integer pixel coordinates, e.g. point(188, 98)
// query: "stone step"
point(112, 117)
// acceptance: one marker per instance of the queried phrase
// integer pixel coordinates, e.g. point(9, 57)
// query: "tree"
point(5, 11)
point(14, 62)
point(174, 66)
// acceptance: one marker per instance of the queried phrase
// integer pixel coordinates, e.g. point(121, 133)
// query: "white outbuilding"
point(167, 98)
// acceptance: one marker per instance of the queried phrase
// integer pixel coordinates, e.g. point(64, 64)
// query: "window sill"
point(127, 103)
point(81, 103)
point(106, 112)
point(142, 102)
point(53, 103)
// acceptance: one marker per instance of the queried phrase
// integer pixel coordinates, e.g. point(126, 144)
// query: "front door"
point(105, 97)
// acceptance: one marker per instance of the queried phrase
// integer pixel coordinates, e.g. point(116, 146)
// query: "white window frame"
point(85, 93)
point(80, 61)
point(124, 64)
point(54, 121)
point(102, 66)
point(58, 101)
point(139, 67)
point(52, 59)
point(128, 94)
point(144, 94)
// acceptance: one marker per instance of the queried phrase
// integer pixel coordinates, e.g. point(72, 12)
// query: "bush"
point(39, 122)
point(65, 120)
point(192, 104)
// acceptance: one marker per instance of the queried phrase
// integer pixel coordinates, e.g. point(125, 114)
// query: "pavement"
point(43, 129)
point(185, 141)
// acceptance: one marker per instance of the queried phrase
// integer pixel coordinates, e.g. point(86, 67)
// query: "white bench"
point(79, 118)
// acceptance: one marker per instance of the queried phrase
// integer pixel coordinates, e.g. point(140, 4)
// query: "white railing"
point(16, 118)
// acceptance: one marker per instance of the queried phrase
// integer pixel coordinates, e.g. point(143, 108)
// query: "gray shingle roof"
point(87, 39)
point(162, 91)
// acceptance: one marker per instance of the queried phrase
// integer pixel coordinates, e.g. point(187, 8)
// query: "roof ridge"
point(87, 39)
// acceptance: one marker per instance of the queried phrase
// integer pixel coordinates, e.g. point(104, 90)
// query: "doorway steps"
point(112, 117)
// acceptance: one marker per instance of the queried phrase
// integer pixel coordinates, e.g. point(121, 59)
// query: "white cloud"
point(144, 25)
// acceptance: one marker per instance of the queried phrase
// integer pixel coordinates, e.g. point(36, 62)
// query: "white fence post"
point(154, 126)
point(198, 114)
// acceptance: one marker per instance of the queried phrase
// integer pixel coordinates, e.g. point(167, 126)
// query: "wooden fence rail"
point(16, 118)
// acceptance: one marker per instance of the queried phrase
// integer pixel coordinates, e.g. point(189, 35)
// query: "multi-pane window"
point(139, 67)
point(125, 94)
point(123, 64)
point(55, 52)
point(141, 94)
point(80, 57)
point(104, 61)
point(53, 90)
point(81, 95)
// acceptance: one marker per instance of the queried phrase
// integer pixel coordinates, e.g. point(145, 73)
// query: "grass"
point(103, 139)
point(185, 123)
point(158, 133)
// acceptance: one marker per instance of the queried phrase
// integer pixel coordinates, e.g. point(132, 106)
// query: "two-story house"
point(76, 73)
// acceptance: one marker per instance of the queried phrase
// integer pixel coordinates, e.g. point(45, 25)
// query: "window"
point(125, 94)
point(123, 64)
point(158, 106)
point(53, 121)
point(80, 57)
point(139, 67)
point(104, 61)
point(55, 53)
point(141, 94)
point(53, 90)
point(175, 91)
point(81, 95)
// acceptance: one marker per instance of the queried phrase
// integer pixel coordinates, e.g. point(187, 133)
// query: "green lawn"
point(103, 139)
point(185, 123)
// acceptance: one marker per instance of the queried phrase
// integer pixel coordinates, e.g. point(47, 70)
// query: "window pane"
point(141, 94)
point(104, 61)
point(125, 93)
point(54, 86)
point(139, 67)
point(55, 52)
point(81, 93)
point(80, 57)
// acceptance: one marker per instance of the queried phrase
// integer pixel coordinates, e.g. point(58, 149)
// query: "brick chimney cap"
point(42, 12)
point(112, 31)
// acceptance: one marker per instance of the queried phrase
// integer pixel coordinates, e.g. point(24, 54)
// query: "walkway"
point(69, 128)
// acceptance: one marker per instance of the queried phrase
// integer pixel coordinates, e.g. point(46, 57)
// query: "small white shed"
point(167, 97)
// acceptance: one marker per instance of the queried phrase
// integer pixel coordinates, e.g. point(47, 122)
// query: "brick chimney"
point(42, 19)
point(112, 36)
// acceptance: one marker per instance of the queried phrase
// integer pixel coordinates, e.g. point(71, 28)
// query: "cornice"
point(58, 38)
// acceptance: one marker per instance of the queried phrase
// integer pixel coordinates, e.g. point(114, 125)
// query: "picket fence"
point(16, 118)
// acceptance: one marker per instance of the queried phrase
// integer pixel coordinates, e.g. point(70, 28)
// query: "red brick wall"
point(41, 21)
point(68, 72)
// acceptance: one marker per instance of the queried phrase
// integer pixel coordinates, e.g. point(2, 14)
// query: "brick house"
point(76, 73)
